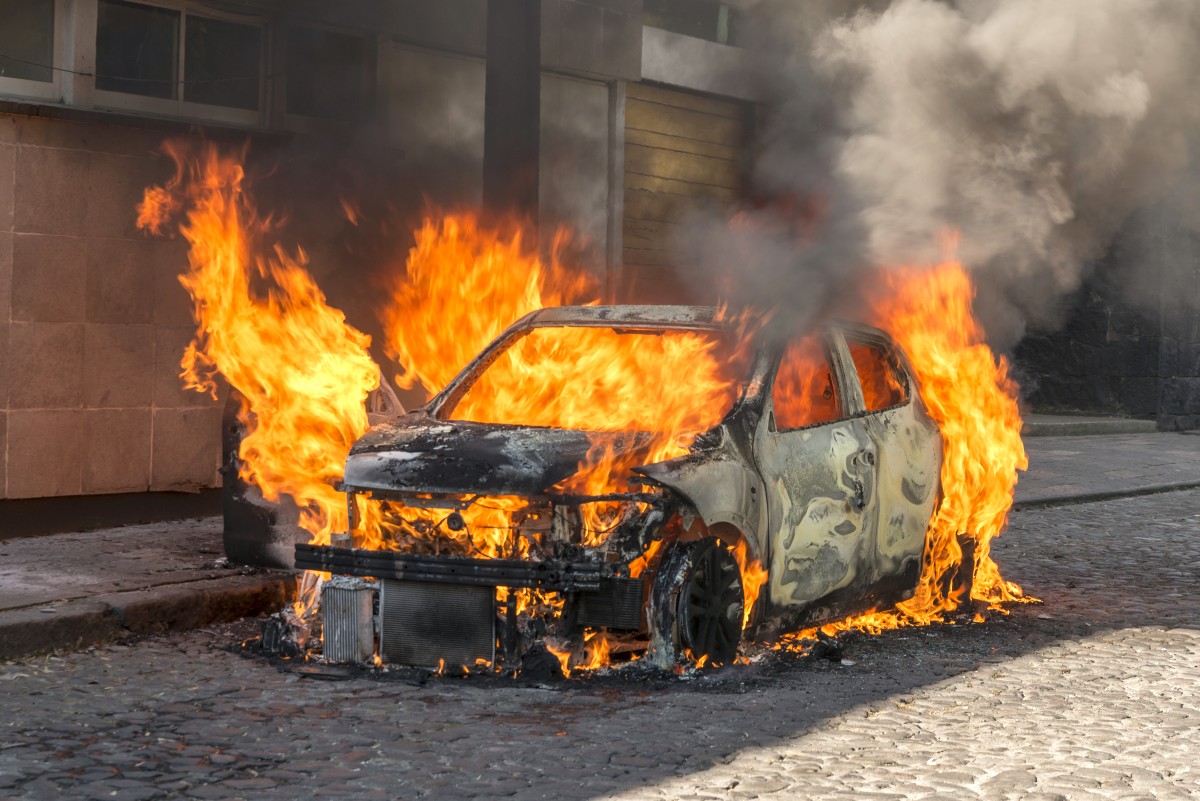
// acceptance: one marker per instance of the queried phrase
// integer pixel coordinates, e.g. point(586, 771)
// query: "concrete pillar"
point(512, 105)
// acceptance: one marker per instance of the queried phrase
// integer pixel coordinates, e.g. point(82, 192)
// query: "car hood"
point(416, 453)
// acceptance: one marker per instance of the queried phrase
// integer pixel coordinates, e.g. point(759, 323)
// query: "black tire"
point(697, 604)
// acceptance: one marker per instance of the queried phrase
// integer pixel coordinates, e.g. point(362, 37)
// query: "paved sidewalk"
point(1061, 425)
point(1093, 694)
point(66, 591)
point(1087, 468)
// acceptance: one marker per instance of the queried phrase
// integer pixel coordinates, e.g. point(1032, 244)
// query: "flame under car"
point(524, 509)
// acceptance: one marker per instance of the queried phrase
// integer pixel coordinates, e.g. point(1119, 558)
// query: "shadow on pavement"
point(193, 714)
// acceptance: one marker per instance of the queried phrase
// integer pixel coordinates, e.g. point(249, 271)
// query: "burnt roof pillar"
point(512, 108)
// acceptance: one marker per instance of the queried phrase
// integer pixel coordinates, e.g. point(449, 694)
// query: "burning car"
point(639, 478)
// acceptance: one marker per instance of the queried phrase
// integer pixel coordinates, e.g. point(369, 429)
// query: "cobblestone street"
point(1095, 693)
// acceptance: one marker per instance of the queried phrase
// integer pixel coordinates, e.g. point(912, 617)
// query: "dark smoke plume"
point(1033, 128)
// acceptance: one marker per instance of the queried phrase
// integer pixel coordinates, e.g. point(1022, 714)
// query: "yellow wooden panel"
point(649, 233)
point(650, 183)
point(682, 152)
point(653, 284)
point(684, 100)
point(678, 166)
point(652, 257)
point(659, 206)
point(680, 144)
point(643, 116)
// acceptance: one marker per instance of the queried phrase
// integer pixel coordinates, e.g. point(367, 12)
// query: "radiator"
point(428, 624)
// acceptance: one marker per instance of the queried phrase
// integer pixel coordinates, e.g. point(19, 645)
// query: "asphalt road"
point(1093, 694)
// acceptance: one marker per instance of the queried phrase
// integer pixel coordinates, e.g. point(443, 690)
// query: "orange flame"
point(968, 392)
point(563, 655)
point(596, 650)
point(462, 285)
point(262, 324)
point(970, 395)
point(592, 654)
point(754, 576)
point(304, 373)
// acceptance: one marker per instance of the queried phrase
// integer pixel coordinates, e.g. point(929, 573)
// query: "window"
point(704, 19)
point(172, 54)
point(136, 49)
point(326, 74)
point(882, 385)
point(27, 40)
point(805, 392)
point(222, 62)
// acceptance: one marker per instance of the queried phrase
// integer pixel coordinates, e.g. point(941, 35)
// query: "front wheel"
point(697, 604)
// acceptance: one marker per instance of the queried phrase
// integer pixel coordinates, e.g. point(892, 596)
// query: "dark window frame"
point(180, 105)
point(52, 89)
point(887, 357)
point(893, 359)
point(687, 18)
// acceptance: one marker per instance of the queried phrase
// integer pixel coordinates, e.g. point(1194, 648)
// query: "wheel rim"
point(711, 605)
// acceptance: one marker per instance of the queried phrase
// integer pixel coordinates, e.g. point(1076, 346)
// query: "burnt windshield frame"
point(444, 404)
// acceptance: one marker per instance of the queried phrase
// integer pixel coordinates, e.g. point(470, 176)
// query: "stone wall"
point(1179, 352)
point(1104, 361)
point(92, 320)
point(1130, 345)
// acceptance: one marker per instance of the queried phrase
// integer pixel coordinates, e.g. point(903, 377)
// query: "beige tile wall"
point(92, 321)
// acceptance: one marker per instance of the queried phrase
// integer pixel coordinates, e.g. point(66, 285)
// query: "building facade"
point(643, 110)
point(638, 119)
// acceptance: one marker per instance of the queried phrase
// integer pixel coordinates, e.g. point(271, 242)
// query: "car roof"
point(635, 316)
point(707, 318)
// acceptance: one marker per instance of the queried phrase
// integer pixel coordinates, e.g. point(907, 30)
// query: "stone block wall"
point(1179, 353)
point(1104, 361)
point(92, 320)
point(1130, 345)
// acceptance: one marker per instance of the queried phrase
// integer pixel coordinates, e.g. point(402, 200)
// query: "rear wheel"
point(697, 604)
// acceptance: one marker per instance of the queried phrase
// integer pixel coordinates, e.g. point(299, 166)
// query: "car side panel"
point(910, 457)
point(820, 537)
point(721, 487)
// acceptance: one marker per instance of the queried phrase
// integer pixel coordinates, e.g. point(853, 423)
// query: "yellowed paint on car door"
point(819, 469)
point(909, 452)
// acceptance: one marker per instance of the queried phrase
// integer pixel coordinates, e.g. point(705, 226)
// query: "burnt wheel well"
point(728, 533)
point(733, 537)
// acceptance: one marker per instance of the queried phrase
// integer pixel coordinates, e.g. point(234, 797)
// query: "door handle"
point(860, 495)
point(865, 456)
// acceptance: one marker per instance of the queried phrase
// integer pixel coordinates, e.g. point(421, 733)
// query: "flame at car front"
point(461, 285)
point(464, 283)
point(305, 373)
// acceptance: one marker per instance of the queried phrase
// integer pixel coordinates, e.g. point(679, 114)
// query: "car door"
point(818, 467)
point(908, 448)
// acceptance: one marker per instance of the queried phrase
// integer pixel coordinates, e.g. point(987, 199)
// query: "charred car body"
point(810, 499)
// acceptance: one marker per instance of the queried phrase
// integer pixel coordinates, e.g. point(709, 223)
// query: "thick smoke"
point(1032, 128)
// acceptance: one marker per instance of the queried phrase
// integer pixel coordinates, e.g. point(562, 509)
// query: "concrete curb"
point(172, 607)
point(1086, 427)
point(82, 622)
point(1109, 495)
